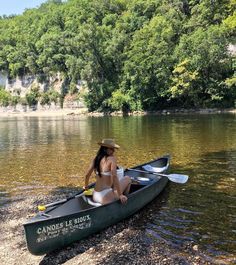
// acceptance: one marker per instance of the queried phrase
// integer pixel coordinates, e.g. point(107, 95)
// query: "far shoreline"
point(85, 112)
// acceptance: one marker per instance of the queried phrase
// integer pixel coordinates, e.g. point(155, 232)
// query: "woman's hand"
point(85, 187)
point(123, 199)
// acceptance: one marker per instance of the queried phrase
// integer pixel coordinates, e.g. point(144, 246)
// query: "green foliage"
point(231, 82)
point(230, 25)
point(73, 88)
point(44, 99)
point(4, 97)
point(33, 96)
point(207, 56)
point(98, 96)
point(7, 99)
point(147, 70)
point(23, 101)
point(48, 97)
point(184, 82)
point(14, 100)
point(54, 96)
point(132, 53)
point(121, 101)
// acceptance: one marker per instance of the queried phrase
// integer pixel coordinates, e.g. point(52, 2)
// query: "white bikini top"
point(119, 172)
point(105, 173)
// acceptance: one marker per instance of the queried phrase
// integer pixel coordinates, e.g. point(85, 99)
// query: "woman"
point(108, 186)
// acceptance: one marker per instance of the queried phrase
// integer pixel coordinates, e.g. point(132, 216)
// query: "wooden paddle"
point(87, 192)
point(177, 178)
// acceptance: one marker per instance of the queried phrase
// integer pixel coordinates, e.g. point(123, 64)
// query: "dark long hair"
point(102, 152)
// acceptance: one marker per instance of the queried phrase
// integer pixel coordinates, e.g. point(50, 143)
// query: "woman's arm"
point(88, 174)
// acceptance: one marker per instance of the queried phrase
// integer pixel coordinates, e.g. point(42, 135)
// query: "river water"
point(38, 155)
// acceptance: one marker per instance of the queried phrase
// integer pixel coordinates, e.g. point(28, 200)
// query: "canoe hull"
point(46, 235)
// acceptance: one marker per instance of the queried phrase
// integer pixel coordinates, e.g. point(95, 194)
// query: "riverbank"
point(45, 113)
point(84, 112)
point(127, 242)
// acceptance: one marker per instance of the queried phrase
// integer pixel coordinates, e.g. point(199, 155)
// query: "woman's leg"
point(109, 197)
point(125, 183)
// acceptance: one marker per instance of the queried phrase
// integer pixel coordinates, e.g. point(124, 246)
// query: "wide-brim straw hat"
point(110, 143)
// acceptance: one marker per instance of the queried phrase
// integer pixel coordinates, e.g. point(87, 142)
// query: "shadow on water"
point(202, 212)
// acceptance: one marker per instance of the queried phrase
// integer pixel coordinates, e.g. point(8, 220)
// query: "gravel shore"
point(124, 243)
point(84, 112)
point(45, 113)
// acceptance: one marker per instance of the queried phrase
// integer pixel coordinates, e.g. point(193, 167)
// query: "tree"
point(206, 52)
point(147, 70)
point(184, 85)
point(33, 96)
point(4, 97)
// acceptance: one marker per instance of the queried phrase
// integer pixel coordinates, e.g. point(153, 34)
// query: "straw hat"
point(109, 143)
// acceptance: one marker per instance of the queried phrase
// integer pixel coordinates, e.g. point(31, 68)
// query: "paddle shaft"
point(149, 172)
point(62, 201)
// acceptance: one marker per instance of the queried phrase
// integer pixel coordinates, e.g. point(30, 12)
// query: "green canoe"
point(72, 219)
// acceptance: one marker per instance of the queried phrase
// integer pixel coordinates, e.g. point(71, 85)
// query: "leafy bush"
point(5, 97)
point(98, 95)
point(53, 96)
point(45, 100)
point(120, 101)
point(14, 100)
point(73, 89)
point(48, 97)
point(33, 96)
point(23, 101)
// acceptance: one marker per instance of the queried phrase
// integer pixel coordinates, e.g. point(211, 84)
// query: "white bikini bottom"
point(99, 195)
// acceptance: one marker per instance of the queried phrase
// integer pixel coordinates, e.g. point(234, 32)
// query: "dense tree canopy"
point(133, 54)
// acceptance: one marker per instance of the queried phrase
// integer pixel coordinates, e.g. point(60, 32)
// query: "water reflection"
point(203, 212)
point(38, 153)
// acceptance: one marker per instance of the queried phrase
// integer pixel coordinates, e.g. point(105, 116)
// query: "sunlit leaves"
point(184, 80)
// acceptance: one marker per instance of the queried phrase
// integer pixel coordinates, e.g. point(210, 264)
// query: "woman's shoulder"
point(111, 159)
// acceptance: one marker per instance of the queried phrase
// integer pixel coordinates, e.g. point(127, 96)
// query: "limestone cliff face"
point(3, 79)
point(20, 86)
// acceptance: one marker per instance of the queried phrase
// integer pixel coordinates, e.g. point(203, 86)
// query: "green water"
point(41, 154)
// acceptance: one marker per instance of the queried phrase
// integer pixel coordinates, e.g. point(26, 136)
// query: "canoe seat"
point(90, 201)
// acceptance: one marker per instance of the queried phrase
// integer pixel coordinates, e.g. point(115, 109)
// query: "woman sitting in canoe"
point(109, 186)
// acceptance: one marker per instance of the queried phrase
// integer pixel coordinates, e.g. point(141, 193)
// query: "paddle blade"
point(155, 169)
point(178, 178)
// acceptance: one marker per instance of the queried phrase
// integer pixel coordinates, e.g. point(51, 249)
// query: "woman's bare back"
point(105, 180)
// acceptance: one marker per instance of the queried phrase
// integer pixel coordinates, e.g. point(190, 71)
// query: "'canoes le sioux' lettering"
point(58, 226)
